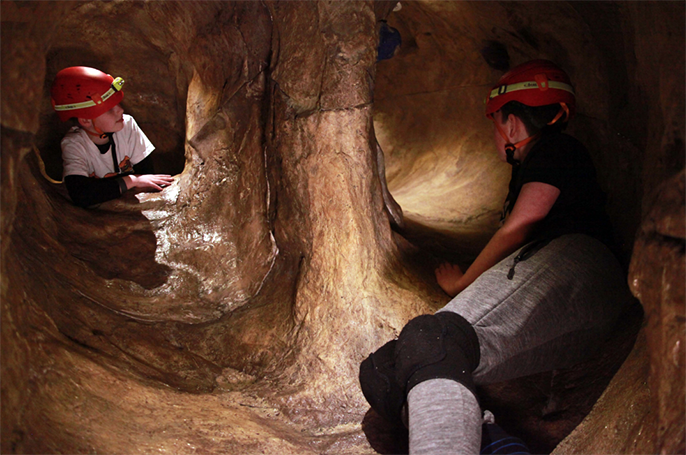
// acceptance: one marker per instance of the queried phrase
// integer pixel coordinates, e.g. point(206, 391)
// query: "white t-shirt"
point(80, 155)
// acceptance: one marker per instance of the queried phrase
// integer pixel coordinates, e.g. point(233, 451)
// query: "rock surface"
point(230, 312)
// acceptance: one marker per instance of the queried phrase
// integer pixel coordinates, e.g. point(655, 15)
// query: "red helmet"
point(83, 92)
point(534, 83)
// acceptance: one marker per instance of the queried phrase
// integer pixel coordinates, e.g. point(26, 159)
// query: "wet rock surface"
point(229, 313)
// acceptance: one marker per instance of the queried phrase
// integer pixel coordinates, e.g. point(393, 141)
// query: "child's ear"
point(512, 124)
point(84, 122)
point(515, 126)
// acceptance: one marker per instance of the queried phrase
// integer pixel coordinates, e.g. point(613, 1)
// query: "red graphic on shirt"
point(124, 167)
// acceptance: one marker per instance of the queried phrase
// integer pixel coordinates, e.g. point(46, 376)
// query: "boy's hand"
point(448, 276)
point(148, 182)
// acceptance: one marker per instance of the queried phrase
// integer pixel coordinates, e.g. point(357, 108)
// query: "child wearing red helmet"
point(107, 154)
point(543, 294)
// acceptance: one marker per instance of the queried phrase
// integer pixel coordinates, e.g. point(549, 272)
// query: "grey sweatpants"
point(559, 307)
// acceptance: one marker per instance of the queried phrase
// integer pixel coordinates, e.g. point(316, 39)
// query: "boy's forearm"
point(88, 191)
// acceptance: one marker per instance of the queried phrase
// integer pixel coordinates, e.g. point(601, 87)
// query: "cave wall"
point(269, 270)
point(225, 282)
point(658, 272)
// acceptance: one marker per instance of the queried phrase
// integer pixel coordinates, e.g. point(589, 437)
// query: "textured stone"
point(657, 271)
point(621, 421)
point(230, 312)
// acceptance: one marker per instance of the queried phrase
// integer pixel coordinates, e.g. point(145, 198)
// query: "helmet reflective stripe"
point(534, 83)
point(117, 85)
point(71, 107)
point(529, 85)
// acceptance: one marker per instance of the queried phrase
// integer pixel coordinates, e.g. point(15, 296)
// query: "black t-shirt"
point(563, 162)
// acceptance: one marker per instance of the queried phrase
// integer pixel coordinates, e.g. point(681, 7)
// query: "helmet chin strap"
point(98, 132)
point(509, 153)
point(510, 147)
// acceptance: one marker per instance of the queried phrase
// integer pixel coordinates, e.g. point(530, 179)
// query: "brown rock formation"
point(229, 313)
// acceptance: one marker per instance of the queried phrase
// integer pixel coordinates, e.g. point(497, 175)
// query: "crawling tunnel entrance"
point(229, 313)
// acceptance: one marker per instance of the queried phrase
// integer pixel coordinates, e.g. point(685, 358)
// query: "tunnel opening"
point(154, 94)
point(440, 162)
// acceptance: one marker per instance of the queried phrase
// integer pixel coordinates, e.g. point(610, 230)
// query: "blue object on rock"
point(494, 440)
point(389, 40)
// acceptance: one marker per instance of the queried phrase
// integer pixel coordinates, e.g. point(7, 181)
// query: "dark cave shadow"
point(127, 254)
point(384, 438)
point(115, 240)
point(423, 249)
point(458, 247)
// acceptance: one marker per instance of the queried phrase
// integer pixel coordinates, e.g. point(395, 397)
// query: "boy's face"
point(109, 122)
point(112, 120)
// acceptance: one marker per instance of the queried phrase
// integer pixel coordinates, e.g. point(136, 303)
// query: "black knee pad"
point(443, 345)
point(379, 385)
